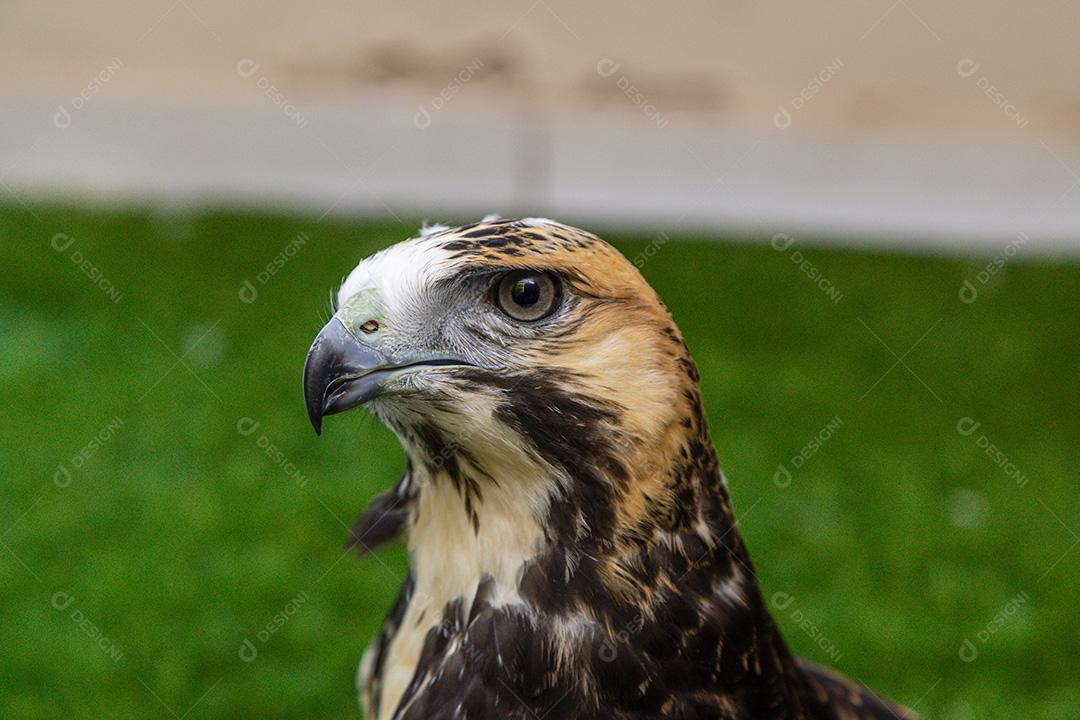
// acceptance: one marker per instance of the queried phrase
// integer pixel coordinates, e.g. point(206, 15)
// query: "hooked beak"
point(342, 372)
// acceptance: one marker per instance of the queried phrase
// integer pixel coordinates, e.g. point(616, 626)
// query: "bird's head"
point(509, 348)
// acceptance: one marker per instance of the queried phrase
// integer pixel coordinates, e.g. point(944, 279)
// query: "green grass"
point(180, 537)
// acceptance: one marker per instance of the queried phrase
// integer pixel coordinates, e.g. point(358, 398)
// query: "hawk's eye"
point(527, 295)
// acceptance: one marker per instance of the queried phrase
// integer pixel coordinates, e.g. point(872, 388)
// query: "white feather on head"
point(426, 229)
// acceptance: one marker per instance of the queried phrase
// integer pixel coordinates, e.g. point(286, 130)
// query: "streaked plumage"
point(573, 552)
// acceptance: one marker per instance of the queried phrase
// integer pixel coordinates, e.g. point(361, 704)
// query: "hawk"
point(573, 551)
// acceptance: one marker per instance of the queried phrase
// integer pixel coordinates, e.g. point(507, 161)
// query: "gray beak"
point(340, 373)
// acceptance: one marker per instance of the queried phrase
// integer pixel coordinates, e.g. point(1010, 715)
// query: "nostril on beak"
point(369, 327)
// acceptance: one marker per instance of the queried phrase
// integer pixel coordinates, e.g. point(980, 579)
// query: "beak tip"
point(314, 387)
point(316, 419)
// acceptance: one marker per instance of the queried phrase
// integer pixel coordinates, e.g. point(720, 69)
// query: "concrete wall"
point(902, 122)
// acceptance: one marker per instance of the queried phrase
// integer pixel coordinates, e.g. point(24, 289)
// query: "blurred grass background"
point(180, 538)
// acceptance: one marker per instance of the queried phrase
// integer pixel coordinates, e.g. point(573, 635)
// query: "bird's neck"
point(657, 519)
point(617, 572)
point(591, 537)
point(460, 538)
point(623, 548)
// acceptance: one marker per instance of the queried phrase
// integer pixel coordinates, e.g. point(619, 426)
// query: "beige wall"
point(889, 63)
point(907, 123)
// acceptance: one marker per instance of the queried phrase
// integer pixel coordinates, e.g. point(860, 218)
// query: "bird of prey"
point(573, 552)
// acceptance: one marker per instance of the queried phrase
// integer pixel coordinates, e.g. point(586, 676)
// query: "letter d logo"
point(781, 241)
point(248, 652)
point(245, 426)
point(62, 118)
point(967, 67)
point(422, 118)
point(968, 293)
point(782, 477)
point(247, 67)
point(61, 242)
point(782, 118)
point(62, 600)
point(966, 426)
point(248, 293)
point(62, 477)
point(782, 600)
point(607, 67)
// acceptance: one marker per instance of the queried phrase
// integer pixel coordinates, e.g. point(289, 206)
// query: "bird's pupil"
point(526, 291)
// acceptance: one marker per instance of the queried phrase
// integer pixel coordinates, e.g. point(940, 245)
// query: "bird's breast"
point(450, 557)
